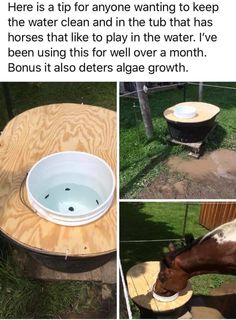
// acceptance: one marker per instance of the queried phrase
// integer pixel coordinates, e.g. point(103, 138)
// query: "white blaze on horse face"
point(224, 233)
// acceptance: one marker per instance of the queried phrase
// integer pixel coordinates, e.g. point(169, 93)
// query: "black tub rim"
point(64, 263)
point(190, 123)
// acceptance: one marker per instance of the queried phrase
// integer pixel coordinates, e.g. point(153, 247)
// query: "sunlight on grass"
point(204, 283)
point(26, 95)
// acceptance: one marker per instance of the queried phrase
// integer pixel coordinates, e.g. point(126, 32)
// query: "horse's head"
point(171, 278)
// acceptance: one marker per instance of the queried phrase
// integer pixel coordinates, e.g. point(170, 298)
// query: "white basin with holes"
point(71, 188)
point(185, 112)
point(163, 298)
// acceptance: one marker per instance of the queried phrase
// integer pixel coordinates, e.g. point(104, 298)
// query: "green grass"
point(28, 95)
point(202, 284)
point(147, 221)
point(21, 297)
point(142, 160)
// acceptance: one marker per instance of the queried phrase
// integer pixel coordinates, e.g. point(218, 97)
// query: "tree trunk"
point(200, 91)
point(145, 110)
point(122, 87)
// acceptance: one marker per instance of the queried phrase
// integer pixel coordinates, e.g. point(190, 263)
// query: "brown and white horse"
point(213, 253)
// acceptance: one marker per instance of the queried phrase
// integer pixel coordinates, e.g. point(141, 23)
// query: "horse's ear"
point(171, 247)
point(189, 238)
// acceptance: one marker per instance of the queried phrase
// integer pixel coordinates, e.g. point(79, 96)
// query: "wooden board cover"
point(39, 132)
point(205, 111)
point(140, 280)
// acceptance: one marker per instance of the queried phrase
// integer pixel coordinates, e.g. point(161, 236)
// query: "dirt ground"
point(213, 176)
point(105, 310)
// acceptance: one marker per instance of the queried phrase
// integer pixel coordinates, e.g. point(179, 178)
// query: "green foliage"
point(141, 160)
point(147, 221)
point(204, 283)
point(21, 297)
point(26, 95)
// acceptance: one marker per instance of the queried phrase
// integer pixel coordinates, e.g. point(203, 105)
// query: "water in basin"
point(70, 198)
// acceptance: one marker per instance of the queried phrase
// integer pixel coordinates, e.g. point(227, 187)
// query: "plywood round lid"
point(140, 280)
point(39, 132)
point(205, 111)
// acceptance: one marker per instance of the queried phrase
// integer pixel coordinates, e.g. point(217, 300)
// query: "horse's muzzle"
point(160, 290)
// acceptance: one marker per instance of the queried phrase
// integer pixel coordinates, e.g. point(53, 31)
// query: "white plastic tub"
point(163, 298)
point(185, 112)
point(71, 188)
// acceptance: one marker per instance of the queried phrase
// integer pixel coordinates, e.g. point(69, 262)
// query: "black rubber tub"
point(194, 129)
point(70, 264)
point(190, 132)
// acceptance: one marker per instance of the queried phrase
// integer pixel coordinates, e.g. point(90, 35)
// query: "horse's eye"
point(166, 262)
point(161, 277)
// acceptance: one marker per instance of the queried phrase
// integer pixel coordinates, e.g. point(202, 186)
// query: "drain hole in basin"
point(79, 199)
point(46, 196)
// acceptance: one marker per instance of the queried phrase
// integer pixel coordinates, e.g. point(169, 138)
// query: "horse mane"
point(220, 231)
point(175, 253)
